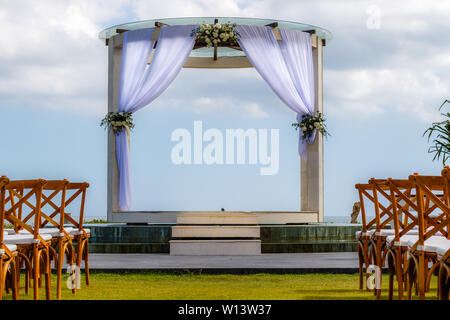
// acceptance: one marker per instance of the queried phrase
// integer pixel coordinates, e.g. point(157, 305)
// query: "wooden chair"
point(432, 194)
point(443, 254)
point(403, 205)
point(8, 253)
point(61, 242)
point(33, 249)
point(79, 234)
point(363, 236)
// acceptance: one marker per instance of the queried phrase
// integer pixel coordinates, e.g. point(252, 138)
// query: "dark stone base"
point(123, 238)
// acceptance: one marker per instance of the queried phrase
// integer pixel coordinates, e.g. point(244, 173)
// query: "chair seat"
point(404, 240)
point(54, 232)
point(76, 232)
point(369, 233)
point(24, 238)
point(436, 244)
point(11, 247)
point(9, 231)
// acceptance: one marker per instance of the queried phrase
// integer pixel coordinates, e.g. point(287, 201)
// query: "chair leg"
point(47, 274)
point(36, 264)
point(2, 279)
point(74, 272)
point(59, 266)
point(361, 261)
point(391, 276)
point(86, 260)
point(421, 276)
point(444, 282)
point(15, 270)
point(28, 270)
point(411, 275)
point(399, 269)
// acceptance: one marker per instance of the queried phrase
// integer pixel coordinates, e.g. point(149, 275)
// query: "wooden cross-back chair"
point(54, 214)
point(403, 200)
point(444, 255)
point(79, 235)
point(375, 232)
point(363, 236)
point(33, 249)
point(432, 194)
point(8, 253)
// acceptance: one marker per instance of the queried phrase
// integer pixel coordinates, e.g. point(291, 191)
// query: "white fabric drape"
point(140, 85)
point(287, 66)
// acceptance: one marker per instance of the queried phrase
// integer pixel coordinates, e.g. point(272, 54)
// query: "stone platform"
point(283, 238)
point(297, 263)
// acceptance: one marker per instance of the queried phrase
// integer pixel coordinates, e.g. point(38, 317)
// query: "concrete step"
point(214, 247)
point(218, 219)
point(205, 231)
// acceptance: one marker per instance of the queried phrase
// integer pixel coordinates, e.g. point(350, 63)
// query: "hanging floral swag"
point(216, 34)
point(310, 123)
point(118, 121)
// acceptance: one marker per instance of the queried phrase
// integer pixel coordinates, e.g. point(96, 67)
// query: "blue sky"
point(382, 88)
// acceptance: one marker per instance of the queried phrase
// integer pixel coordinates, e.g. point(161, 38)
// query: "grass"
point(163, 286)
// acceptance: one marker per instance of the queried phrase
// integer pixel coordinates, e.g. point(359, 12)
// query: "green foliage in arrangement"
point(216, 34)
point(118, 121)
point(310, 123)
point(440, 133)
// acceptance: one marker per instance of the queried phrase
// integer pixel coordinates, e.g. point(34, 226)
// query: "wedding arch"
point(144, 57)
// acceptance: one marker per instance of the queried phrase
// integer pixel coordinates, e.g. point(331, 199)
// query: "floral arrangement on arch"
point(310, 123)
point(216, 34)
point(117, 121)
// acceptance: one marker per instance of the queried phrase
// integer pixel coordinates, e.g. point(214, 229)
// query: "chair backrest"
point(72, 192)
point(22, 194)
point(432, 195)
point(3, 182)
point(380, 191)
point(403, 201)
point(364, 191)
point(54, 192)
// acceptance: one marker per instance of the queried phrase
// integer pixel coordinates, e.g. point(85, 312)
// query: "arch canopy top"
point(197, 58)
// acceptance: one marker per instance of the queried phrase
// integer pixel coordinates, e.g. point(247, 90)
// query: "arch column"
point(312, 186)
point(114, 65)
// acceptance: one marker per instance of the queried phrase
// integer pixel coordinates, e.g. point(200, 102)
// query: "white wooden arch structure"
point(312, 185)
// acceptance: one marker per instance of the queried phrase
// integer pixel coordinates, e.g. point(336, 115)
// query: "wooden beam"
point(272, 25)
point(215, 51)
point(220, 63)
point(121, 30)
point(310, 31)
point(159, 24)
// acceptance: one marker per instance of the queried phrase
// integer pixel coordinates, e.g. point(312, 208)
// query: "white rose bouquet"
point(118, 121)
point(310, 123)
point(216, 34)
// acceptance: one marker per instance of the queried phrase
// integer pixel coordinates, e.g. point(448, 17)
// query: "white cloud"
point(50, 53)
point(367, 92)
point(213, 106)
point(207, 105)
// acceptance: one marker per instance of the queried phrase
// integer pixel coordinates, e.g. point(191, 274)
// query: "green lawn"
point(225, 286)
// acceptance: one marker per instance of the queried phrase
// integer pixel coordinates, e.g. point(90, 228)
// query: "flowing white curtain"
point(140, 85)
point(287, 66)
